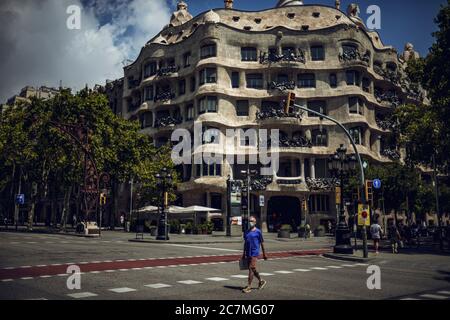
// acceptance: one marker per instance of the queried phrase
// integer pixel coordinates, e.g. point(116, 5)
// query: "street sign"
point(377, 183)
point(365, 164)
point(261, 200)
point(363, 215)
point(20, 199)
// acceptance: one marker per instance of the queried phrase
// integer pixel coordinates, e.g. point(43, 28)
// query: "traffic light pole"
point(358, 157)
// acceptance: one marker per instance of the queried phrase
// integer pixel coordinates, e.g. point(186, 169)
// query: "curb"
point(183, 242)
point(350, 258)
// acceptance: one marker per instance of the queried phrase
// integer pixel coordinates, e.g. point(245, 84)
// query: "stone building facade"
point(230, 69)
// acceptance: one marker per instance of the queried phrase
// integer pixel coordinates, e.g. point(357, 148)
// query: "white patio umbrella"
point(196, 209)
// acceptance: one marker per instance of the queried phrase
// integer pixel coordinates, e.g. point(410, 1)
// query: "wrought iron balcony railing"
point(282, 85)
point(167, 71)
point(288, 181)
point(278, 114)
point(270, 57)
point(391, 153)
point(296, 142)
point(385, 123)
point(354, 55)
point(167, 121)
point(322, 184)
point(390, 97)
point(164, 96)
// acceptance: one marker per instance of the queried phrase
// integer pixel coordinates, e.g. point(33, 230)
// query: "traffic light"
point(244, 202)
point(369, 191)
point(289, 107)
point(102, 199)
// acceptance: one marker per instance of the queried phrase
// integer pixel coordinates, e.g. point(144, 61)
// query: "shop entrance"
point(283, 210)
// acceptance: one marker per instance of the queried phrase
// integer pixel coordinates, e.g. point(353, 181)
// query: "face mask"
point(252, 224)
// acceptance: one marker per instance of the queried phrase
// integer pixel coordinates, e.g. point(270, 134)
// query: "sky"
point(37, 48)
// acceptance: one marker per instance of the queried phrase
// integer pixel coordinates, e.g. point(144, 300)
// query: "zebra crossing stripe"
point(157, 285)
point(302, 270)
point(444, 292)
point(216, 279)
point(122, 290)
point(189, 282)
point(240, 276)
point(433, 296)
point(81, 295)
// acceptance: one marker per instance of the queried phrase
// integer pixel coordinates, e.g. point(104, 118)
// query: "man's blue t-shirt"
point(253, 240)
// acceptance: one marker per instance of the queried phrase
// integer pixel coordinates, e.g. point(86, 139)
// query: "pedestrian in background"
point(253, 240)
point(376, 232)
point(394, 237)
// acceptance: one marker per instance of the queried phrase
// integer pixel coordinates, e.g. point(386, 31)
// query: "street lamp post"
point(340, 164)
point(248, 174)
point(164, 181)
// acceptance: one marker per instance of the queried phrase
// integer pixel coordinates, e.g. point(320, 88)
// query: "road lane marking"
point(409, 299)
point(198, 247)
point(433, 296)
point(444, 292)
point(26, 278)
point(302, 270)
point(189, 282)
point(7, 280)
point(46, 276)
point(318, 268)
point(348, 265)
point(217, 279)
point(240, 276)
point(334, 267)
point(81, 295)
point(283, 272)
point(122, 290)
point(157, 285)
point(266, 274)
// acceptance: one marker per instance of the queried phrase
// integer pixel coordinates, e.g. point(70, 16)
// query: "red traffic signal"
point(364, 214)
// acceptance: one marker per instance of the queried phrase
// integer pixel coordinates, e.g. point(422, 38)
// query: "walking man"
point(394, 237)
point(376, 231)
point(253, 239)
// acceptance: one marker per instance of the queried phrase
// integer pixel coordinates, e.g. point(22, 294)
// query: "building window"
point(306, 80)
point(150, 69)
point(333, 80)
point(187, 59)
point(282, 78)
point(211, 135)
point(207, 51)
point(242, 107)
point(318, 106)
point(208, 104)
point(248, 138)
point(356, 135)
point(181, 87)
point(319, 138)
point(255, 81)
point(288, 51)
point(147, 120)
point(193, 84)
point(366, 83)
point(319, 203)
point(353, 78)
point(208, 75)
point(356, 105)
point(249, 54)
point(235, 80)
point(317, 53)
point(148, 93)
point(205, 170)
point(190, 112)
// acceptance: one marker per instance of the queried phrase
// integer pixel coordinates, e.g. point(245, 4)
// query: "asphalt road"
point(34, 266)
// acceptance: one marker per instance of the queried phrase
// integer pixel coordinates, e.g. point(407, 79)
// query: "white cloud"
point(36, 48)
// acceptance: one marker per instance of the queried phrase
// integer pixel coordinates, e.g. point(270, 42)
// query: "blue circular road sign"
point(377, 183)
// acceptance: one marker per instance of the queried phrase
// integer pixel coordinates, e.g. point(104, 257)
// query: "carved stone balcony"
point(288, 182)
point(354, 56)
point(167, 71)
point(390, 75)
point(278, 114)
point(164, 96)
point(391, 153)
point(167, 121)
point(322, 184)
point(270, 57)
point(259, 183)
point(282, 86)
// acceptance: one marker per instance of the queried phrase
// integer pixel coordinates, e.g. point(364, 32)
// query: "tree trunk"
point(64, 214)
point(17, 206)
point(31, 214)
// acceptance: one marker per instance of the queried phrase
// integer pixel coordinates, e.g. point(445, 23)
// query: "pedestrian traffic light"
point(369, 191)
point(289, 107)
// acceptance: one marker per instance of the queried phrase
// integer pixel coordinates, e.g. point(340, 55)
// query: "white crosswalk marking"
point(157, 285)
point(283, 272)
point(409, 299)
point(334, 267)
point(433, 296)
point(302, 270)
point(444, 292)
point(318, 268)
point(189, 282)
point(216, 279)
point(122, 290)
point(349, 265)
point(266, 274)
point(80, 295)
point(240, 276)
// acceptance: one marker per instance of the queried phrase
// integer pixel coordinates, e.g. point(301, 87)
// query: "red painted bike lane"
point(51, 270)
